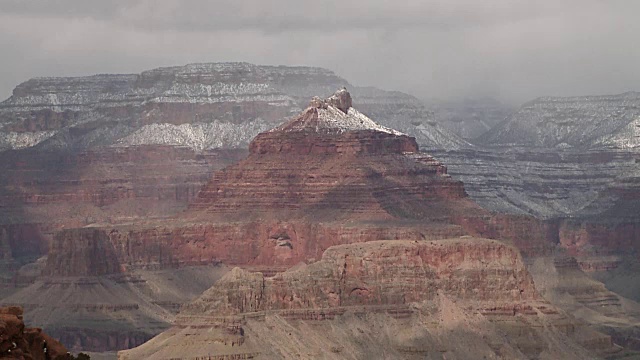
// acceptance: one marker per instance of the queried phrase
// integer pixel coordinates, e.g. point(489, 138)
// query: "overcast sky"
point(513, 50)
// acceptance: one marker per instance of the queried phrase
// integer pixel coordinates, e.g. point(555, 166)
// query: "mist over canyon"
point(221, 209)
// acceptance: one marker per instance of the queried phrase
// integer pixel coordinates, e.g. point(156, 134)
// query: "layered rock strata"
point(202, 106)
point(583, 122)
point(469, 289)
point(328, 176)
point(42, 193)
point(560, 280)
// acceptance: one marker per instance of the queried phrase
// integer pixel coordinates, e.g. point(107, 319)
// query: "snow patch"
point(198, 136)
point(20, 140)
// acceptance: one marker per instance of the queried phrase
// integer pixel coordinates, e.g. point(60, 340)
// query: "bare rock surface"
point(20, 342)
point(402, 299)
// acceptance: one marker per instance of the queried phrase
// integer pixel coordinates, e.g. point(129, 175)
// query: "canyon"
point(397, 299)
point(127, 196)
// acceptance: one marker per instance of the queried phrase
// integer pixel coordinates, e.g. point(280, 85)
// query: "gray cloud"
point(510, 49)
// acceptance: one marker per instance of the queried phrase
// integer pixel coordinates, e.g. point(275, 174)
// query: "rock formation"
point(44, 192)
point(403, 299)
point(203, 106)
point(19, 342)
point(325, 177)
point(329, 176)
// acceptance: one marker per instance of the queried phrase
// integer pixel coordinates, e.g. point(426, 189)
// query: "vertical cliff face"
point(377, 273)
point(82, 252)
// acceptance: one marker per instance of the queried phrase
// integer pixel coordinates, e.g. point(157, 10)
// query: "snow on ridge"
point(332, 118)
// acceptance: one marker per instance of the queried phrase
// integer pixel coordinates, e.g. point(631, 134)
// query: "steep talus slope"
point(112, 311)
point(403, 299)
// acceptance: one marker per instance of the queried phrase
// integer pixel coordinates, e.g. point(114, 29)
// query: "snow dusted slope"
point(581, 122)
point(198, 105)
point(198, 136)
point(333, 115)
point(407, 114)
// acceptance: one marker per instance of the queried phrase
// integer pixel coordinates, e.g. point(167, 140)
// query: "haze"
point(508, 49)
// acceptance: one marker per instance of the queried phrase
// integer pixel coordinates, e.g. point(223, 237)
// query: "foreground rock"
point(459, 298)
point(19, 342)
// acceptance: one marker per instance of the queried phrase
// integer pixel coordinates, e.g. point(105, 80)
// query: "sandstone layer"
point(455, 298)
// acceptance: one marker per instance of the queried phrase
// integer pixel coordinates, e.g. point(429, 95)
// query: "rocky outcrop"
point(377, 273)
point(327, 159)
point(20, 342)
point(381, 285)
